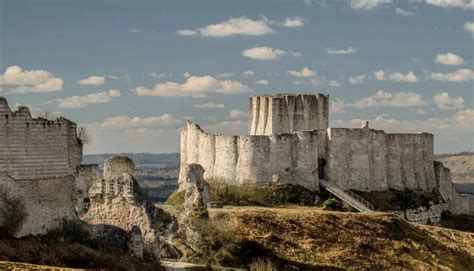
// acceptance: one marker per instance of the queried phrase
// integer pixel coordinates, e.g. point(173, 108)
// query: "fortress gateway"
point(290, 141)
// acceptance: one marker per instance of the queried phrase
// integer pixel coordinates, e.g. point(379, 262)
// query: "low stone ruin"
point(117, 199)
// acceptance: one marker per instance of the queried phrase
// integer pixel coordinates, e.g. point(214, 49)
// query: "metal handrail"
point(352, 194)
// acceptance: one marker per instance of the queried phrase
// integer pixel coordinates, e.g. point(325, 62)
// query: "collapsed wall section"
point(288, 113)
point(32, 148)
point(371, 160)
point(237, 160)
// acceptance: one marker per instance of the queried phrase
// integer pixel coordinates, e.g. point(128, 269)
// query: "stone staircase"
point(348, 196)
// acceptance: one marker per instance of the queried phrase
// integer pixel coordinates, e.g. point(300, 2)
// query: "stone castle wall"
point(372, 160)
point(288, 113)
point(290, 158)
point(37, 148)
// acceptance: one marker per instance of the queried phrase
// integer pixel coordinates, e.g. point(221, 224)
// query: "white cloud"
point(186, 75)
point(266, 53)
point(32, 81)
point(209, 105)
point(461, 75)
point(469, 27)
point(349, 50)
point(187, 32)
point(313, 82)
point(465, 4)
point(305, 72)
point(334, 84)
point(248, 73)
point(94, 98)
point(94, 80)
point(237, 114)
point(403, 12)
point(337, 106)
point(225, 75)
point(449, 59)
point(194, 86)
point(357, 79)
point(135, 30)
point(241, 26)
point(444, 102)
point(160, 75)
point(262, 82)
point(293, 22)
point(367, 4)
point(410, 77)
point(399, 99)
point(126, 122)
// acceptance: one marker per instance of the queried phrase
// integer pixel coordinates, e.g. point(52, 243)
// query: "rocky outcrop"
point(117, 199)
point(195, 205)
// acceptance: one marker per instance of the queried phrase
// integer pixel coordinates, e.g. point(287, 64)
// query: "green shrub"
point(12, 213)
point(176, 199)
point(332, 204)
point(262, 195)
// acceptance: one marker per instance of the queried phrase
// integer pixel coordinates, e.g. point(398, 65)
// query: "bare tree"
point(46, 112)
point(84, 135)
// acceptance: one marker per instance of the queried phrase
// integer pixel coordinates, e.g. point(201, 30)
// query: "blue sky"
point(134, 71)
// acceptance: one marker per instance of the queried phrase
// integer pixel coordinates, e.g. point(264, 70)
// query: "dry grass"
point(341, 240)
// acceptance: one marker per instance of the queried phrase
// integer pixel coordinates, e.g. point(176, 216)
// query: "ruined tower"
point(288, 113)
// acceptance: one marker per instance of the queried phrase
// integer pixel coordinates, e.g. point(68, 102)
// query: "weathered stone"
point(197, 193)
point(117, 199)
point(135, 243)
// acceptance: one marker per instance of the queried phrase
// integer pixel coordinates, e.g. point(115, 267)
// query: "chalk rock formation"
point(197, 193)
point(118, 200)
point(194, 207)
point(135, 243)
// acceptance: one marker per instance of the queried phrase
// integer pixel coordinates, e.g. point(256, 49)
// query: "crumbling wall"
point(458, 203)
point(37, 148)
point(117, 199)
point(371, 160)
point(288, 113)
point(86, 176)
point(290, 158)
point(48, 202)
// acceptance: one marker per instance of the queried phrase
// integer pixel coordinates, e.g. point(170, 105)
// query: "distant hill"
point(462, 170)
point(168, 160)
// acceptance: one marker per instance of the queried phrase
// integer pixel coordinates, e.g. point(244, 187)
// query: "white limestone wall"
point(37, 148)
point(291, 158)
point(371, 160)
point(48, 202)
point(288, 113)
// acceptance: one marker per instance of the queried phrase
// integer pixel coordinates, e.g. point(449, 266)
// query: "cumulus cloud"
point(94, 80)
point(237, 114)
point(349, 50)
point(334, 84)
point(444, 102)
point(248, 73)
point(449, 59)
point(403, 12)
point(410, 77)
point(241, 26)
point(465, 4)
point(399, 99)
point(461, 75)
point(367, 4)
point(194, 86)
point(187, 32)
point(304, 72)
point(262, 82)
point(293, 22)
point(126, 122)
point(267, 53)
point(469, 27)
point(357, 79)
point(209, 105)
point(225, 75)
point(94, 98)
point(32, 81)
point(337, 106)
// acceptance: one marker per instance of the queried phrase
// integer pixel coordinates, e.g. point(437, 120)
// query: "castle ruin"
point(290, 141)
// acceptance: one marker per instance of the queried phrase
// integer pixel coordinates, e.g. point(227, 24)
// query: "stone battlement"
point(288, 113)
point(35, 147)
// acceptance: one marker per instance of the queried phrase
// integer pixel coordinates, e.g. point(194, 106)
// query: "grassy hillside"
point(323, 240)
